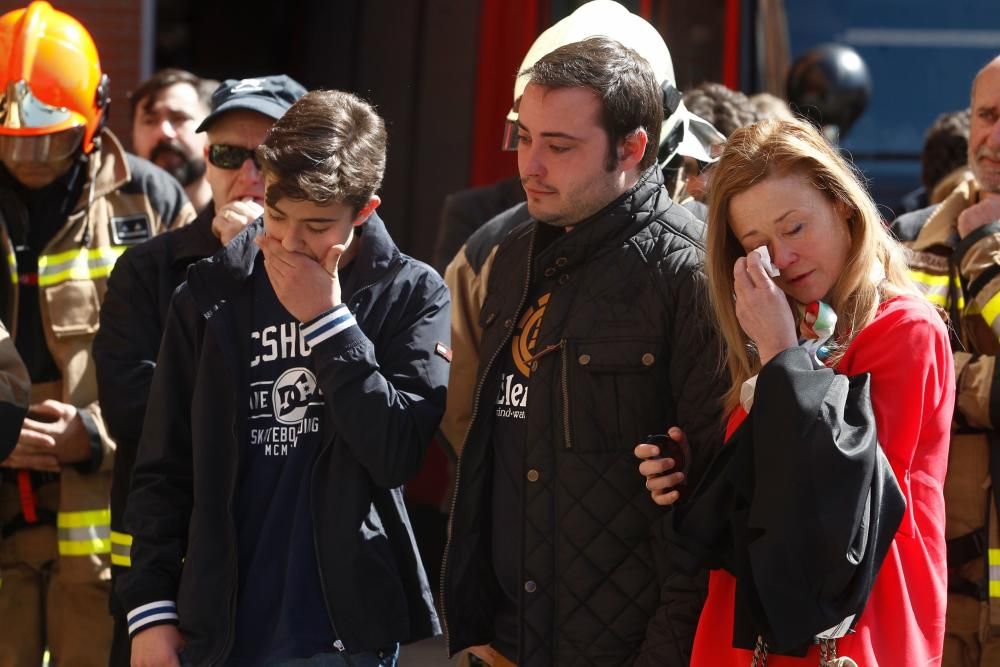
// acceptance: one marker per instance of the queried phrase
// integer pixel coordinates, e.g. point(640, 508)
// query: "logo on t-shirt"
point(284, 410)
point(292, 395)
point(526, 335)
point(512, 399)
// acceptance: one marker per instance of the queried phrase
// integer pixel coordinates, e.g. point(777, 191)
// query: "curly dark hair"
point(726, 109)
point(946, 146)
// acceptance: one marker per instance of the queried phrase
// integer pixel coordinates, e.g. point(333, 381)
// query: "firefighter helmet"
point(682, 132)
point(54, 97)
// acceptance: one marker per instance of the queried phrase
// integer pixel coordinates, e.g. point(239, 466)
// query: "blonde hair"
point(780, 148)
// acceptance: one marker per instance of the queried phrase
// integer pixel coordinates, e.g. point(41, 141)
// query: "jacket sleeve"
point(468, 291)
point(386, 403)
point(164, 193)
point(977, 393)
point(913, 397)
point(978, 380)
point(698, 386)
point(458, 221)
point(15, 392)
point(160, 500)
point(978, 259)
point(126, 346)
point(172, 210)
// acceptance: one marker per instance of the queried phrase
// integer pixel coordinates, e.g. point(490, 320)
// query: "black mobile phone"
point(680, 452)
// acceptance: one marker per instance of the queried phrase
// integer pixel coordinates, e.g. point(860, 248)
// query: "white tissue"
point(747, 391)
point(765, 258)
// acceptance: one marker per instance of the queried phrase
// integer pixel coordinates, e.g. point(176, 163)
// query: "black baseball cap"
point(268, 95)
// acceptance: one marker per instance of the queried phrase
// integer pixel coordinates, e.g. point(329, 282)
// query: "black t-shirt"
point(509, 441)
point(280, 610)
point(44, 213)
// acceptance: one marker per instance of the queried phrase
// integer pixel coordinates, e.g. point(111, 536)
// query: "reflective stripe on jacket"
point(124, 201)
point(962, 276)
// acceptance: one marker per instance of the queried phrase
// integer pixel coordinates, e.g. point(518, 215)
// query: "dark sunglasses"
point(224, 156)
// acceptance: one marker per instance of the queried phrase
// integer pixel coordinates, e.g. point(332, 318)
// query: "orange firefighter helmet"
point(54, 95)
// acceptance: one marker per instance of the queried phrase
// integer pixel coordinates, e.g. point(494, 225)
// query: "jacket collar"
point(941, 228)
point(217, 279)
point(377, 252)
point(107, 170)
point(619, 220)
point(196, 241)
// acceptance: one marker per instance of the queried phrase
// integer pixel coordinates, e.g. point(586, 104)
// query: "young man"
point(682, 134)
point(145, 277)
point(301, 375)
point(594, 335)
point(167, 109)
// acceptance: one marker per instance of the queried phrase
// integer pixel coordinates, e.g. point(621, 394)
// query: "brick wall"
point(116, 26)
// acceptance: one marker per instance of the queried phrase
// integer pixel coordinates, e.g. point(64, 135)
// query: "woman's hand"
point(660, 484)
point(762, 308)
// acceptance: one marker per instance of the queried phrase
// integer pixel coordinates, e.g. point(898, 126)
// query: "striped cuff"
point(327, 325)
point(154, 613)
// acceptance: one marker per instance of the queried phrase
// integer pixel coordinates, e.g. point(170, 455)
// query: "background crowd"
point(682, 391)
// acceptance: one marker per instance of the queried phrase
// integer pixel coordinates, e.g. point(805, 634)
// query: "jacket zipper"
point(391, 276)
point(234, 561)
point(565, 394)
point(472, 420)
point(338, 643)
point(234, 558)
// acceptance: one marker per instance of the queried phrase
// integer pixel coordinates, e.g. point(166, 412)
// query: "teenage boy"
point(301, 375)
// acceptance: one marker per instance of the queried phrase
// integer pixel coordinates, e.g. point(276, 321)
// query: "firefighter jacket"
point(962, 276)
point(15, 389)
point(125, 200)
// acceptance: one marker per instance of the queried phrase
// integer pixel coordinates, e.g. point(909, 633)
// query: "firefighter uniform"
point(15, 388)
point(962, 276)
point(71, 201)
point(132, 200)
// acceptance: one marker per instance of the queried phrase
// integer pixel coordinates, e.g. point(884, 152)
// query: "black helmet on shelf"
point(830, 85)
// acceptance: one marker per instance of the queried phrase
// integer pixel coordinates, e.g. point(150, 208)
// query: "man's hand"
point(305, 287)
point(661, 485)
point(52, 435)
point(979, 215)
point(157, 646)
point(233, 217)
point(486, 653)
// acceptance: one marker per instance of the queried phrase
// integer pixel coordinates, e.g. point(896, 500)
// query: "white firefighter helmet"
point(682, 132)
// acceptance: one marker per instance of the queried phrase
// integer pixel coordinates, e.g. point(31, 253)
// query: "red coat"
point(907, 352)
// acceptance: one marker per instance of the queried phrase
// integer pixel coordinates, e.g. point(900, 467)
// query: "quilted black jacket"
point(637, 354)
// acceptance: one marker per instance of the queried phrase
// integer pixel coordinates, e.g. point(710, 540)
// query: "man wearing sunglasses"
point(139, 290)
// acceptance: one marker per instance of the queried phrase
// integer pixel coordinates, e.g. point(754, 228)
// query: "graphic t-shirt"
point(509, 441)
point(280, 612)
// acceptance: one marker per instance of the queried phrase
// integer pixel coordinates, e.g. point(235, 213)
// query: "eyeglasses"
point(225, 156)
